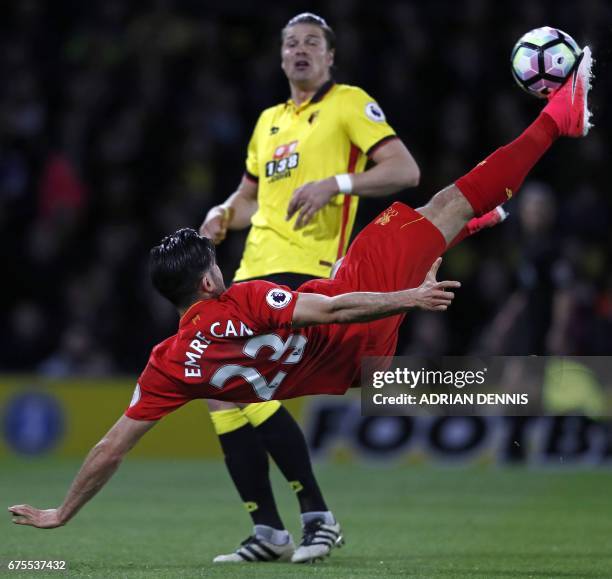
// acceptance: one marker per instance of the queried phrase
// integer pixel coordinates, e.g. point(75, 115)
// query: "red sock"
point(476, 224)
point(499, 176)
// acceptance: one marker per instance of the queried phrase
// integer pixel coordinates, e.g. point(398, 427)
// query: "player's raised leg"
point(499, 176)
point(397, 249)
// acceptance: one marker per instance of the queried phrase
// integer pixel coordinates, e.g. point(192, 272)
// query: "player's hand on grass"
point(43, 519)
point(309, 198)
point(432, 294)
point(216, 223)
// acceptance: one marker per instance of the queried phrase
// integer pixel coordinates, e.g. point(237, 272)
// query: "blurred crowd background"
point(121, 121)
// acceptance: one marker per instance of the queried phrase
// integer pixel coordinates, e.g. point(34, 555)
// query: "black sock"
point(247, 463)
point(284, 440)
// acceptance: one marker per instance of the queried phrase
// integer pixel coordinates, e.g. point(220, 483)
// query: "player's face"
point(305, 57)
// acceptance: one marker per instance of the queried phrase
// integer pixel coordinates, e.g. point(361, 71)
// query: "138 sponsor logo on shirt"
point(285, 158)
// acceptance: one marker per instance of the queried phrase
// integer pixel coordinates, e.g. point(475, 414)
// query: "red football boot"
point(490, 219)
point(568, 106)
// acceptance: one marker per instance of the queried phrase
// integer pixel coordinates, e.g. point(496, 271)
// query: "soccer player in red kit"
point(257, 340)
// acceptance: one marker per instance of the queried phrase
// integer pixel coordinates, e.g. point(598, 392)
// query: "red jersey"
point(241, 347)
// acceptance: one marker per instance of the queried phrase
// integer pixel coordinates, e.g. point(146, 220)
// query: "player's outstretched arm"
point(234, 213)
point(313, 309)
point(99, 466)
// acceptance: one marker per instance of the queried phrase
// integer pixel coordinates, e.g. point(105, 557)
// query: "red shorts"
point(394, 252)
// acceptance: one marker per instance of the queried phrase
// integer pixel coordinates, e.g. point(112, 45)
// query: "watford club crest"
point(386, 216)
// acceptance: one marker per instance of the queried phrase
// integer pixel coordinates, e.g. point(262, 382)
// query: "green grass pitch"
point(168, 519)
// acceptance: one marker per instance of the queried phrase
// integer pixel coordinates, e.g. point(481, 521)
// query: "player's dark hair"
point(178, 263)
point(310, 18)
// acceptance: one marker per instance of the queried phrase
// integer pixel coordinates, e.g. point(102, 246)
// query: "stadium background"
point(122, 121)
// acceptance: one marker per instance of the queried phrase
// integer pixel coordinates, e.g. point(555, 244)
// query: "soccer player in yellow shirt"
point(305, 172)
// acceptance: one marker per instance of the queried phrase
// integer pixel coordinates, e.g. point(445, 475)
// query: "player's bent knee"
point(448, 211)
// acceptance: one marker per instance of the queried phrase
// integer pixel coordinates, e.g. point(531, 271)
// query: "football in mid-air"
point(542, 59)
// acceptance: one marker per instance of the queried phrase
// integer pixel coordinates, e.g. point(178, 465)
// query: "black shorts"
point(292, 280)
